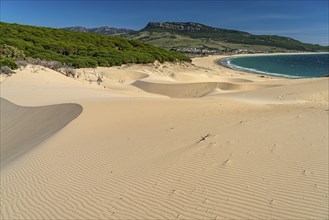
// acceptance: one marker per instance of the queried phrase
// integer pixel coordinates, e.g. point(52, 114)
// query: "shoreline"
point(261, 75)
point(226, 59)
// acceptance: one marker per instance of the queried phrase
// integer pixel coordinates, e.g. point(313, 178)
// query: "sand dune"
point(126, 77)
point(35, 86)
point(23, 128)
point(248, 148)
point(177, 90)
point(126, 167)
point(187, 77)
point(194, 90)
point(312, 91)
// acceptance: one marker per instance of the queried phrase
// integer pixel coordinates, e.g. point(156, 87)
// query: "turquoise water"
point(292, 66)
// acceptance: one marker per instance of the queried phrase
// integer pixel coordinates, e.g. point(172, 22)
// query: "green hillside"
point(81, 49)
point(189, 34)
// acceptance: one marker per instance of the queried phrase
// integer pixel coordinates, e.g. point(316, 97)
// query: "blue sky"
point(304, 20)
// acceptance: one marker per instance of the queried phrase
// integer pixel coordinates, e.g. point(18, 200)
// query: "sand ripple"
point(22, 128)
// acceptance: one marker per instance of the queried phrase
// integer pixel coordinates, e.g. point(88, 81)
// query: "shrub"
point(76, 48)
point(9, 63)
point(54, 65)
point(68, 71)
point(22, 63)
point(7, 51)
point(6, 70)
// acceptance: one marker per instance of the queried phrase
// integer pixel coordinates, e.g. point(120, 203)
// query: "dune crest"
point(23, 128)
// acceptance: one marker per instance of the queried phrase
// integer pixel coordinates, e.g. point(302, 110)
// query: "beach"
point(163, 141)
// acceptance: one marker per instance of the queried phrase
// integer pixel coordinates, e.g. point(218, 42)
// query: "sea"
point(288, 65)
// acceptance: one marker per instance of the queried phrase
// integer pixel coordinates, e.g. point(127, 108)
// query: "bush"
point(6, 70)
point(68, 71)
point(54, 65)
point(7, 51)
point(9, 63)
point(22, 63)
point(77, 49)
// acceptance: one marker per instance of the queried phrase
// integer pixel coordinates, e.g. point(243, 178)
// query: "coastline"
point(225, 62)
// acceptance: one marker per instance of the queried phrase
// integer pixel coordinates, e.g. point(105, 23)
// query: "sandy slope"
point(251, 147)
point(25, 127)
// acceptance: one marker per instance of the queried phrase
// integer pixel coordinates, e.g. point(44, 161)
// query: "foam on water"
point(291, 66)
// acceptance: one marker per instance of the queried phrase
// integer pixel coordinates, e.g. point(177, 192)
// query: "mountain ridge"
point(106, 30)
point(197, 38)
point(200, 31)
point(187, 26)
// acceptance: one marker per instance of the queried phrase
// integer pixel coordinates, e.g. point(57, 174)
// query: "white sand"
point(133, 154)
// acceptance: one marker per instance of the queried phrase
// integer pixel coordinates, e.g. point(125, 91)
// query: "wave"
point(227, 62)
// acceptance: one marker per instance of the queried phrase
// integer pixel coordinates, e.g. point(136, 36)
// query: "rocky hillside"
point(190, 35)
point(191, 28)
point(177, 26)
